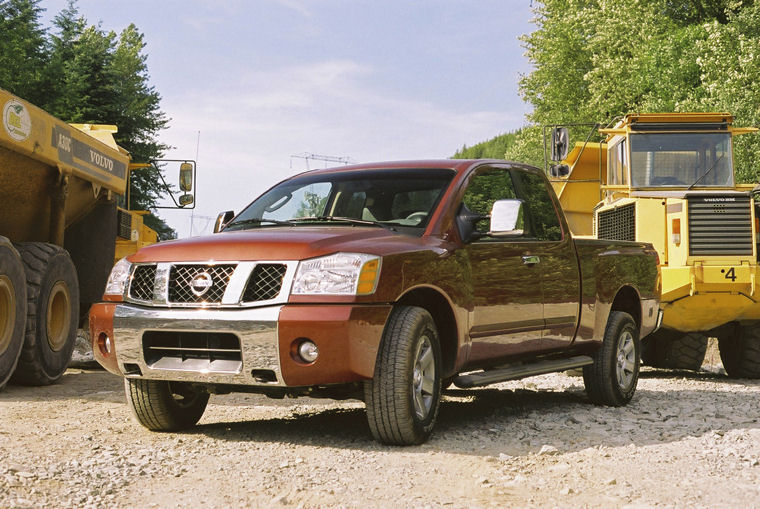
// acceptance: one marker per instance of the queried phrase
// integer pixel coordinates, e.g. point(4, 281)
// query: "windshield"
point(681, 160)
point(399, 199)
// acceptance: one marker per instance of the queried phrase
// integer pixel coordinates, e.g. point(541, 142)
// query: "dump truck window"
point(681, 160)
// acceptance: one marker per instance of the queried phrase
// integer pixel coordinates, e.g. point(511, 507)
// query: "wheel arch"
point(441, 309)
point(627, 299)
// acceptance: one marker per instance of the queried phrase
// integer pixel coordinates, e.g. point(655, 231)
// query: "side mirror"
point(185, 177)
point(507, 218)
point(185, 200)
point(222, 220)
point(560, 143)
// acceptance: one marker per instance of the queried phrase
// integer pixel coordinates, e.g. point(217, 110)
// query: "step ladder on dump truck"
point(59, 228)
point(668, 179)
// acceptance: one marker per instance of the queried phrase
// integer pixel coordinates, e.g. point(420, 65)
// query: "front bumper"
point(347, 336)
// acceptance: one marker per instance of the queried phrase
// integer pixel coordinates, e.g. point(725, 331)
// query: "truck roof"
point(457, 165)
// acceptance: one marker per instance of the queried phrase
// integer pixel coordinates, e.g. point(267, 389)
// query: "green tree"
point(82, 74)
point(23, 49)
point(595, 60)
point(136, 110)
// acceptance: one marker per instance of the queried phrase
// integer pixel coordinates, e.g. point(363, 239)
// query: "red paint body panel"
point(101, 320)
point(347, 337)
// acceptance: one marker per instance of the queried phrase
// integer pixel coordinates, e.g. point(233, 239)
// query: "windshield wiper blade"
point(341, 219)
point(246, 222)
point(705, 173)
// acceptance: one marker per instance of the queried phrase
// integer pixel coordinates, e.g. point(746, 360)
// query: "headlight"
point(117, 281)
point(338, 274)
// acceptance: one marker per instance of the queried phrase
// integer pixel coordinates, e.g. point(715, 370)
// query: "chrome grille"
point(185, 283)
point(192, 351)
point(265, 282)
point(143, 280)
point(618, 223)
point(720, 225)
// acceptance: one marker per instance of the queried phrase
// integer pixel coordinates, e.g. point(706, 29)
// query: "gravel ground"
point(685, 440)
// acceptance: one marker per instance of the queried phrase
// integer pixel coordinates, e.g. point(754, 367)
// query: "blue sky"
point(370, 80)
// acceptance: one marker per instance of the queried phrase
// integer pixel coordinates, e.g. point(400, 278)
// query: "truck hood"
point(279, 243)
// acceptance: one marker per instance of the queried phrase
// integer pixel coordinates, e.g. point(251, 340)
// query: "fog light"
point(104, 344)
point(308, 351)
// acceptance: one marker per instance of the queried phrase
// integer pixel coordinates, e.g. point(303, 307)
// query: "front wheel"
point(165, 406)
point(740, 351)
point(611, 380)
point(404, 395)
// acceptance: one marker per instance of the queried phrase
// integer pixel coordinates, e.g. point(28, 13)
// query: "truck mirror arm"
point(466, 221)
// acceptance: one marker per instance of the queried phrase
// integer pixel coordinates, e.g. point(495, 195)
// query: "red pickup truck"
point(385, 282)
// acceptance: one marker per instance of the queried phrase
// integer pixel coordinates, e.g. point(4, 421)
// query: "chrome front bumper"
point(256, 328)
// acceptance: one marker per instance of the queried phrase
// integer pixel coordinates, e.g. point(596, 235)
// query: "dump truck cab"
point(668, 179)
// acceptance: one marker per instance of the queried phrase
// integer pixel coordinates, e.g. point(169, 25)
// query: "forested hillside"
point(82, 74)
point(495, 148)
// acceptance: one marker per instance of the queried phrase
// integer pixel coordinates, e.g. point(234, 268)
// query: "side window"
point(485, 188)
point(542, 219)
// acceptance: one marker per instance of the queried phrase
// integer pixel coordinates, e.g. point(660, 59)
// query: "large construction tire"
point(675, 350)
point(740, 351)
point(52, 293)
point(165, 406)
point(12, 309)
point(404, 395)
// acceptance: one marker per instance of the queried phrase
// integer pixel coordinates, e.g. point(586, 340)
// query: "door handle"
point(530, 260)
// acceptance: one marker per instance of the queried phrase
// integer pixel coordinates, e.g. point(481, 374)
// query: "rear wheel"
point(404, 395)
point(675, 350)
point(52, 310)
point(611, 380)
point(12, 309)
point(740, 351)
point(165, 406)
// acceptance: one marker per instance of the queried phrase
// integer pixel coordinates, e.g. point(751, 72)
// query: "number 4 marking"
point(731, 274)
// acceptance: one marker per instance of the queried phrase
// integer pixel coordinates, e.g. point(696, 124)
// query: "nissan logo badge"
point(201, 284)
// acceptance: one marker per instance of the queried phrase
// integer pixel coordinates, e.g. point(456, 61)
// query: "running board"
point(520, 371)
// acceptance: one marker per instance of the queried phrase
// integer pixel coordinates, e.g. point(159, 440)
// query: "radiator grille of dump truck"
point(720, 225)
point(265, 282)
point(124, 226)
point(143, 280)
point(199, 283)
point(618, 223)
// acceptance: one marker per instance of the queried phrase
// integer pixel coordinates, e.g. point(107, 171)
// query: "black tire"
point(740, 351)
point(12, 309)
point(675, 350)
point(165, 406)
point(404, 395)
point(52, 292)
point(611, 380)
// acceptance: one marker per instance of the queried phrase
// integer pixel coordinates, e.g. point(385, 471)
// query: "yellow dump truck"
point(668, 179)
point(60, 228)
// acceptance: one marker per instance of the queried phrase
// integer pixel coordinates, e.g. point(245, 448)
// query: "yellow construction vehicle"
point(668, 179)
point(60, 230)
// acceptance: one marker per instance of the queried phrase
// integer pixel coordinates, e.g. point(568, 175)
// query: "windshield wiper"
point(341, 219)
point(246, 222)
point(705, 173)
